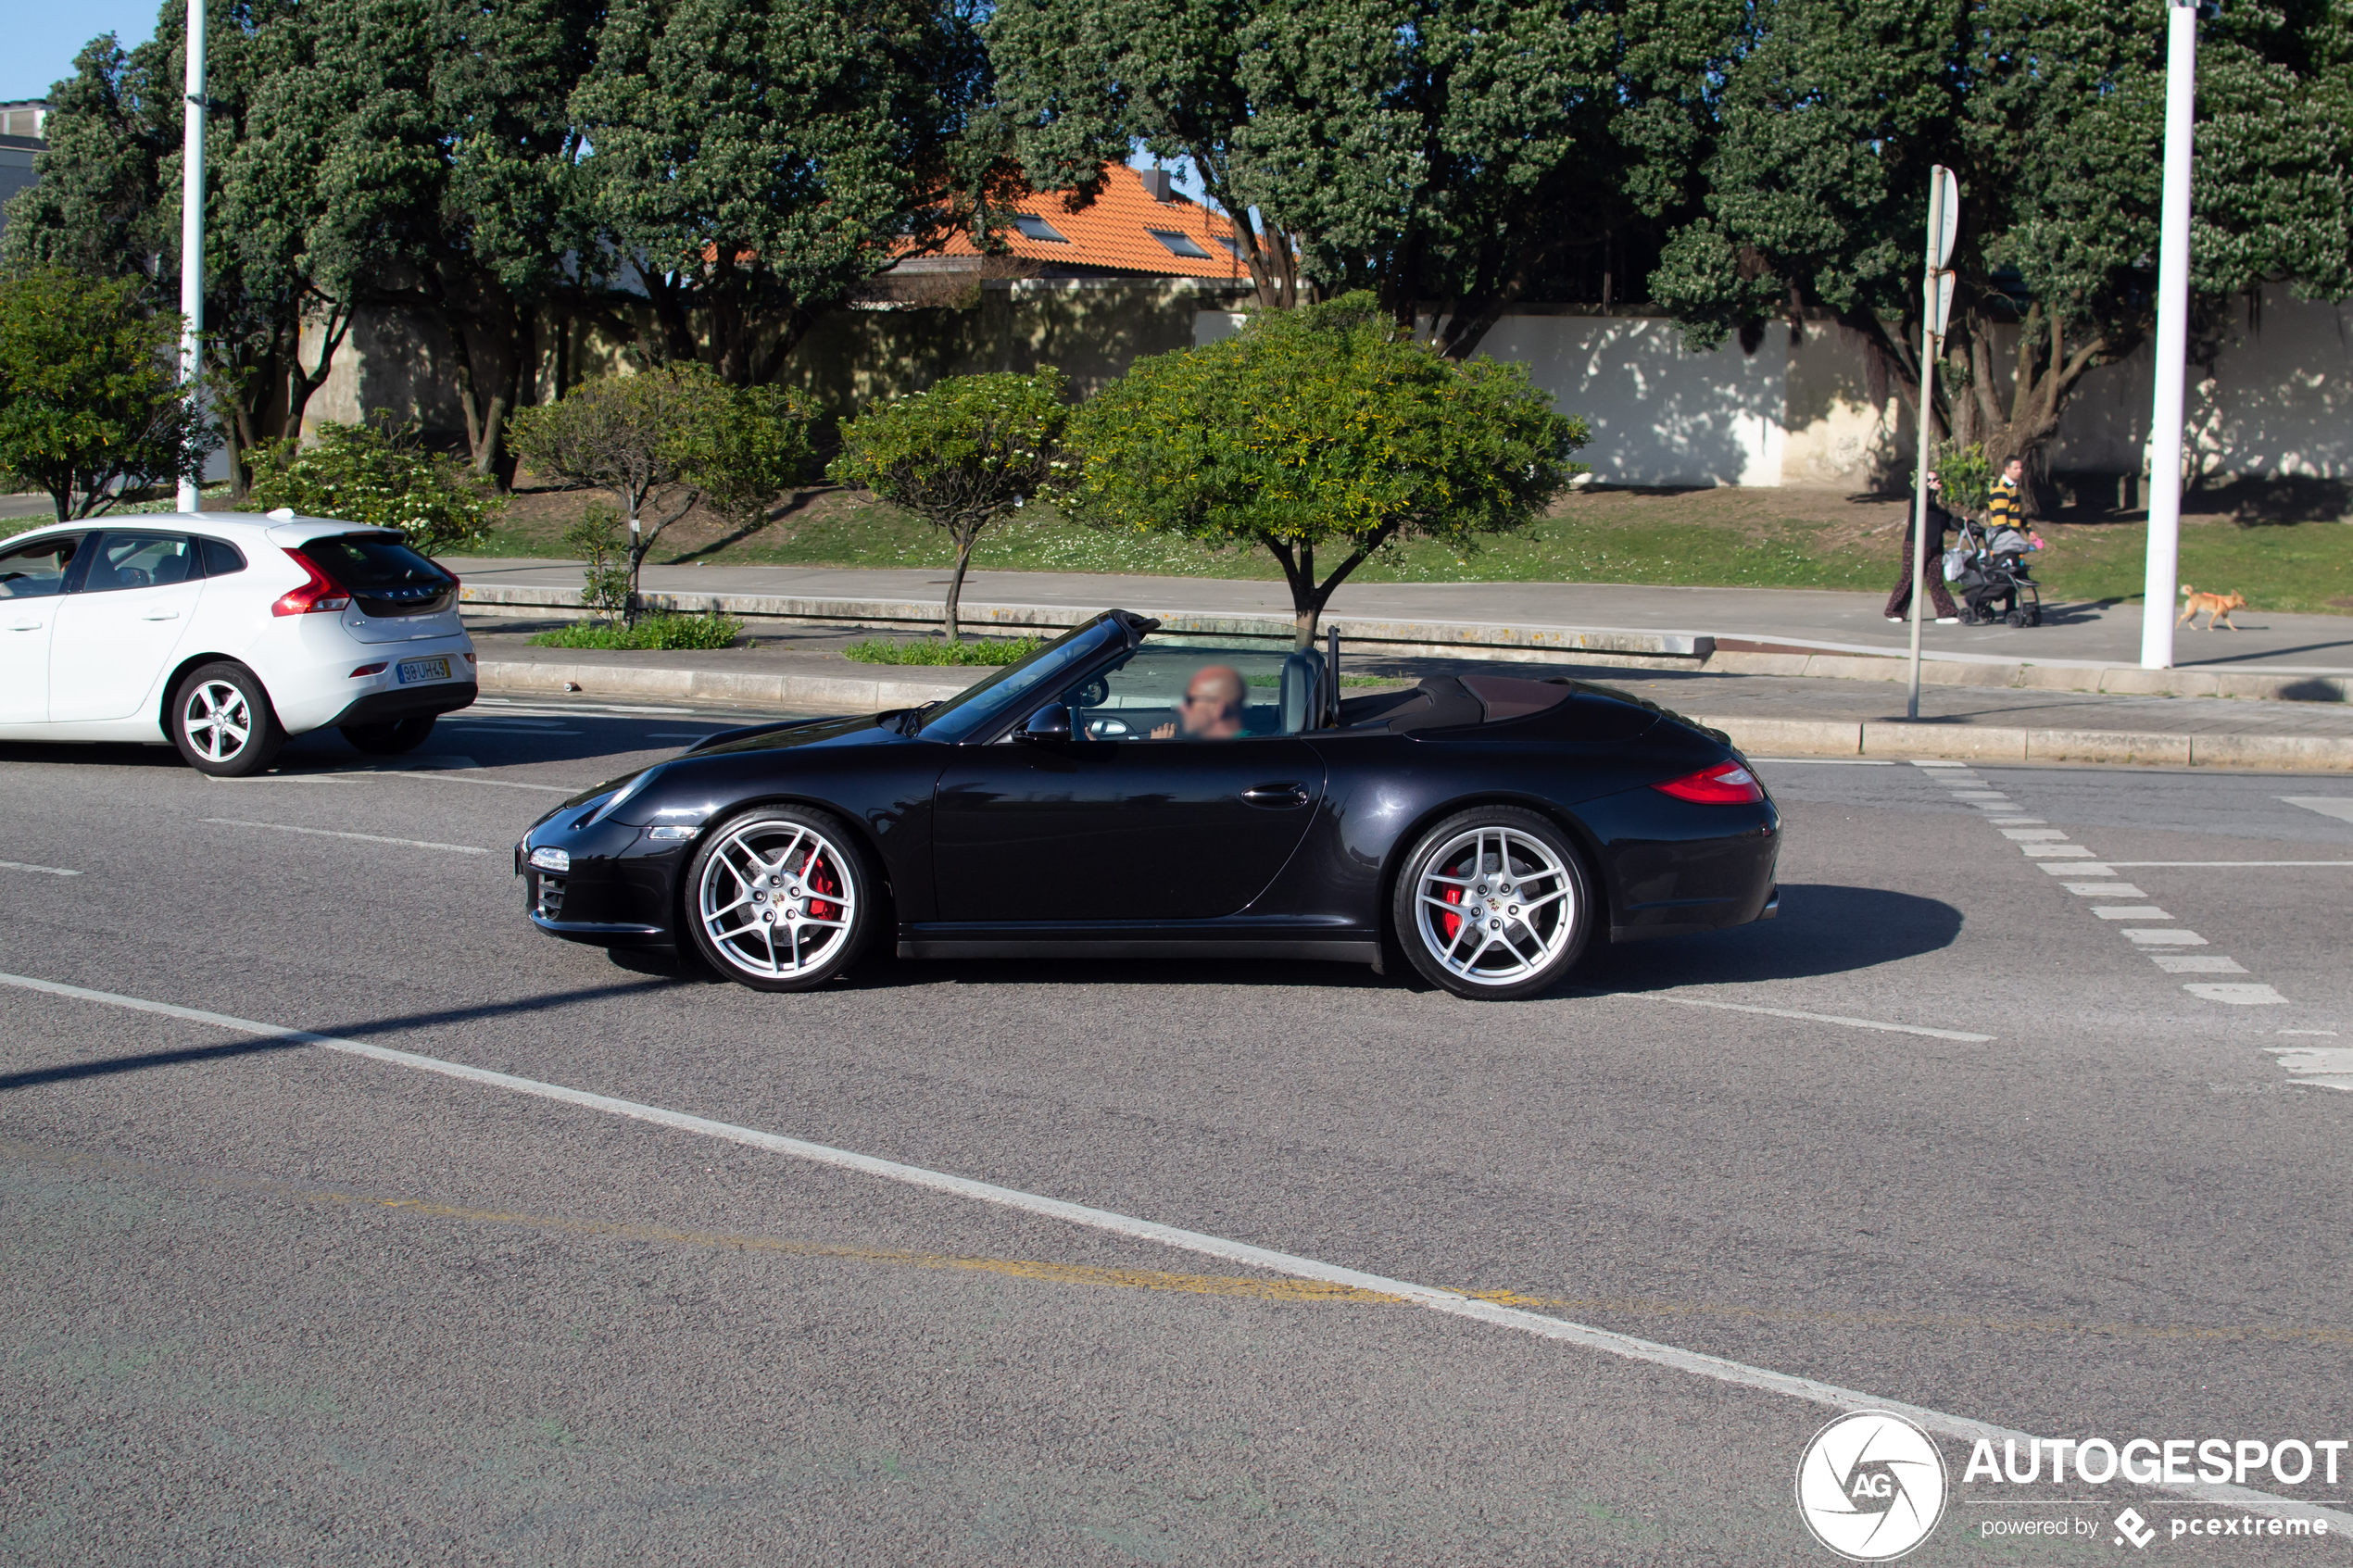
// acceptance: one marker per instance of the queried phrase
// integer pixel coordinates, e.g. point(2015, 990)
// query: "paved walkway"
point(2071, 633)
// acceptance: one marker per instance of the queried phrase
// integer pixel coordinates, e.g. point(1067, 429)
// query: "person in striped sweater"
point(2006, 509)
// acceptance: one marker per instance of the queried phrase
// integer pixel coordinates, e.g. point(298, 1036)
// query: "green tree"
point(2051, 115)
point(663, 441)
point(108, 202)
point(1452, 156)
point(90, 401)
point(381, 477)
point(960, 455)
point(757, 159)
point(1320, 429)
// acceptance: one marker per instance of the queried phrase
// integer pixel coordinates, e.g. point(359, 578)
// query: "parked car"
point(225, 633)
point(1112, 796)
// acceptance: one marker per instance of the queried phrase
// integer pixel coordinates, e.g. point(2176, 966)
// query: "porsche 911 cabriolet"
point(1115, 795)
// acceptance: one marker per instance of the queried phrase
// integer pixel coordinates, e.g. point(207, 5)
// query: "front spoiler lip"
point(599, 931)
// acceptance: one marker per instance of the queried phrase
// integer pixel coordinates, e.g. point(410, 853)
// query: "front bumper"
point(620, 891)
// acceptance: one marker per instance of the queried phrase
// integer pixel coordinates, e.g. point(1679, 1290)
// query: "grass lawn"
point(1718, 537)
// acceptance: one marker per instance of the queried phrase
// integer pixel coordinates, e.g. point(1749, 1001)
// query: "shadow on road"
point(1821, 930)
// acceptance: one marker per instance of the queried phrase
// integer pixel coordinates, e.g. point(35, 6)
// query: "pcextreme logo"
point(1872, 1485)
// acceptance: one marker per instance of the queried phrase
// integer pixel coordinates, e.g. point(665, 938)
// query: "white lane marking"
point(279, 778)
point(45, 871)
point(2329, 1033)
point(1806, 1017)
point(1925, 762)
point(2018, 822)
point(2033, 835)
point(439, 777)
point(2196, 963)
point(2129, 911)
point(2218, 863)
point(2159, 937)
point(1828, 761)
point(2055, 851)
point(1453, 1303)
point(2242, 993)
point(510, 705)
point(2095, 869)
point(2104, 889)
point(2337, 805)
point(364, 837)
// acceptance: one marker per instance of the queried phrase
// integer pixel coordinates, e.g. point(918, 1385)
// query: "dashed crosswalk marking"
point(2330, 1067)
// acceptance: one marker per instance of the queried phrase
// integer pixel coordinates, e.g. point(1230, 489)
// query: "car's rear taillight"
point(1727, 783)
point(321, 595)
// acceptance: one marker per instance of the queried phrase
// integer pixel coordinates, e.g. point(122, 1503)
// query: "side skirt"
point(1141, 948)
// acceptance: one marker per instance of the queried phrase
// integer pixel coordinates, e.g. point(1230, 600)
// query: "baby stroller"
point(1993, 578)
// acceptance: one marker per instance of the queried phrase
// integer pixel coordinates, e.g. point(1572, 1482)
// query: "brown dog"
point(2218, 607)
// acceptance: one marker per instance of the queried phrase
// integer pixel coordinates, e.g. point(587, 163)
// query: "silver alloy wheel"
point(1494, 906)
point(773, 879)
point(217, 719)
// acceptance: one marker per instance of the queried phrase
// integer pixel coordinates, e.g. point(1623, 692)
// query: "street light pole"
point(192, 222)
point(2173, 340)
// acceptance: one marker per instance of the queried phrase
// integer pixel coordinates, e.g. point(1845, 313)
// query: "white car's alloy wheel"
point(778, 901)
point(217, 719)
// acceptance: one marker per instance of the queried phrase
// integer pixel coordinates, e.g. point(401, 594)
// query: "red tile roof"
point(1120, 231)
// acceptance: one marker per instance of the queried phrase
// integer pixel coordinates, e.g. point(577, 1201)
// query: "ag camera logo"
point(1872, 1487)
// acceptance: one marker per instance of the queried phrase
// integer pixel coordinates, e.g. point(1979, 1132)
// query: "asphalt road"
point(270, 1302)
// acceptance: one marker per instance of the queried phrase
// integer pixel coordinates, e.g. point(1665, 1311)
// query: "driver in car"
point(1213, 706)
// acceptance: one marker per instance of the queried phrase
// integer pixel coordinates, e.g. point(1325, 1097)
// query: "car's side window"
point(38, 570)
point(138, 560)
point(1182, 694)
point(219, 558)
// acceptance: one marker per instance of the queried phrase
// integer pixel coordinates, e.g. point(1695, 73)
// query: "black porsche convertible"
point(1119, 795)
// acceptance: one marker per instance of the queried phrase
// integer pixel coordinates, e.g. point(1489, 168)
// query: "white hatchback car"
point(225, 633)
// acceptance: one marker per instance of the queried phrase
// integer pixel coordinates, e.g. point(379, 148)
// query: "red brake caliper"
point(1452, 923)
point(818, 877)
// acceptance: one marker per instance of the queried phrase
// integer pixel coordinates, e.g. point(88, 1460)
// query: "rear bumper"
point(407, 702)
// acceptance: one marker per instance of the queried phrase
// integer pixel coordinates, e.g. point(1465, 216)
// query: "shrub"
point(1010, 650)
point(667, 632)
point(378, 476)
point(595, 539)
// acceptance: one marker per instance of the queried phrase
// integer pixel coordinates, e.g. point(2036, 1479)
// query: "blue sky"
point(45, 38)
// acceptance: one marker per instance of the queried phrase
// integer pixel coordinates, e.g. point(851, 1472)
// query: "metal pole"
point(192, 222)
point(2172, 341)
point(1927, 423)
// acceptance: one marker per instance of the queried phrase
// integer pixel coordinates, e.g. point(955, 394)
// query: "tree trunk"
point(965, 542)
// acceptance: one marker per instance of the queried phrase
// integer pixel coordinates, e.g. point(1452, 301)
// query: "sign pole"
point(1936, 301)
point(192, 223)
point(2163, 571)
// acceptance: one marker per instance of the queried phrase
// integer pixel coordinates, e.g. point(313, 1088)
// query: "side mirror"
point(1050, 722)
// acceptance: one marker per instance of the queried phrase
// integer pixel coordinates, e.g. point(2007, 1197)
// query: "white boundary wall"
point(1808, 410)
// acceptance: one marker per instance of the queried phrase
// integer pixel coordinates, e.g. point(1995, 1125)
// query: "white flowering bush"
point(381, 477)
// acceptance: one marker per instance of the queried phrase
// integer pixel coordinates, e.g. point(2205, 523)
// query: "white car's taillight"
point(322, 593)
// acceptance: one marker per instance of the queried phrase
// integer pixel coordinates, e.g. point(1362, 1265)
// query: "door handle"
point(1277, 794)
point(164, 615)
point(24, 625)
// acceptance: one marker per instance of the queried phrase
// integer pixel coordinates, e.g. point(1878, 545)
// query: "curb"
point(835, 694)
point(1989, 742)
point(2111, 680)
point(1789, 737)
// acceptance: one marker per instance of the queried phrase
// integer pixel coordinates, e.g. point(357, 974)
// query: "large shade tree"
point(756, 160)
point(1319, 432)
point(2051, 114)
point(1450, 155)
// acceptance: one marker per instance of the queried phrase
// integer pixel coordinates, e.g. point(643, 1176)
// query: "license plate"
point(423, 670)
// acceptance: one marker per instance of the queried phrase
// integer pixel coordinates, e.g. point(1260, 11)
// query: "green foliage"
point(960, 455)
point(381, 477)
point(668, 633)
point(746, 444)
point(595, 539)
point(757, 159)
point(1007, 650)
point(1967, 475)
point(90, 404)
point(1320, 428)
point(2051, 115)
point(1449, 151)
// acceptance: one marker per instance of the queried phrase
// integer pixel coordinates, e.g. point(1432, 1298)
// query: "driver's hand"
point(1165, 731)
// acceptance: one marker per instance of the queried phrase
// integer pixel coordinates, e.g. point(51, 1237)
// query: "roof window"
point(1037, 228)
point(1178, 245)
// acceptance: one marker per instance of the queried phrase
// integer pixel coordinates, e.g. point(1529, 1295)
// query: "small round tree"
point(959, 456)
point(1319, 430)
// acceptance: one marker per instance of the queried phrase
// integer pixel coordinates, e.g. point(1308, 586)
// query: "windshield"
point(1019, 690)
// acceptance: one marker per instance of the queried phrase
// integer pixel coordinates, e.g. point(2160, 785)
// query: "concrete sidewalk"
point(1757, 631)
point(1765, 715)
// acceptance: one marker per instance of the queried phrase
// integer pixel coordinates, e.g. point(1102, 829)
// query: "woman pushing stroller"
point(1899, 603)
